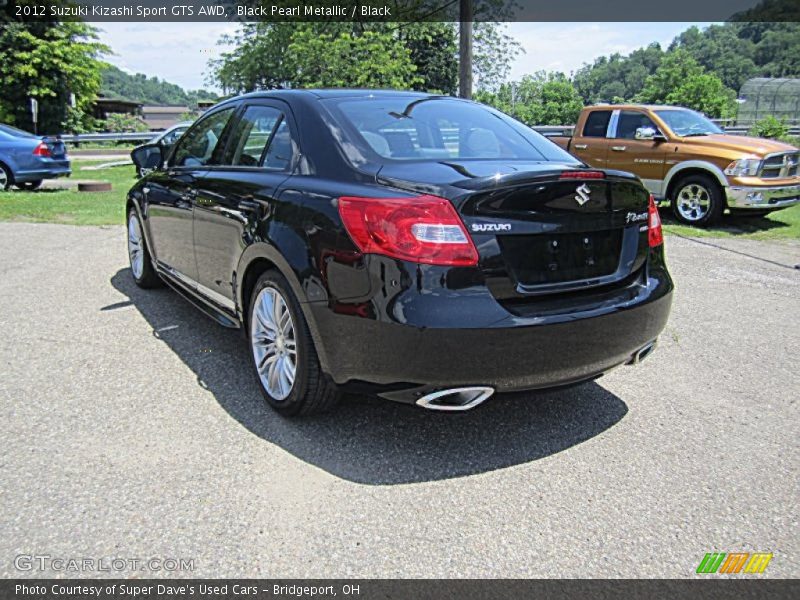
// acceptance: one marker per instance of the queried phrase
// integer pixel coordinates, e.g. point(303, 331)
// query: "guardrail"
point(131, 136)
point(144, 136)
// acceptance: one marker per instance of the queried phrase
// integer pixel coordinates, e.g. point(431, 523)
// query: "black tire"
point(703, 189)
point(30, 185)
point(311, 391)
point(148, 278)
point(6, 178)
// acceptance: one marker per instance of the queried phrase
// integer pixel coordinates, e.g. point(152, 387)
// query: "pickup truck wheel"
point(6, 178)
point(142, 269)
point(697, 200)
point(284, 357)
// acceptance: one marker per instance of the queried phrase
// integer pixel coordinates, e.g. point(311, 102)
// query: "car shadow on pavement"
point(369, 440)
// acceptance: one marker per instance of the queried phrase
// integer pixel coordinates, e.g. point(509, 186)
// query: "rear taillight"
point(42, 150)
point(654, 234)
point(582, 175)
point(423, 229)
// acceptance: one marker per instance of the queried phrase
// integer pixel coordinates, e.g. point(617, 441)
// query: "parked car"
point(426, 249)
point(166, 139)
point(685, 159)
point(27, 159)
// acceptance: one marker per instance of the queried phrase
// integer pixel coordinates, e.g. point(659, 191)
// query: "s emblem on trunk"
point(583, 194)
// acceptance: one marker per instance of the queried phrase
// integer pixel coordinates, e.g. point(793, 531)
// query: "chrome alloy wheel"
point(135, 246)
point(694, 202)
point(272, 337)
point(3, 179)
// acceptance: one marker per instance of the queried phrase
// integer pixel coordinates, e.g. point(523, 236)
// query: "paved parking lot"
point(131, 427)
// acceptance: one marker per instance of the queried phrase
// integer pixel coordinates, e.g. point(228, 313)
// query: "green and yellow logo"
point(741, 562)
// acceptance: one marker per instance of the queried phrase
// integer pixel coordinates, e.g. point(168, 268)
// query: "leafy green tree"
point(720, 50)
point(616, 75)
point(680, 80)
point(770, 127)
point(433, 48)
point(48, 61)
point(493, 52)
point(539, 99)
point(121, 123)
point(372, 59)
point(148, 90)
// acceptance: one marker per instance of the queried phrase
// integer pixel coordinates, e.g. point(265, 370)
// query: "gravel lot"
point(131, 427)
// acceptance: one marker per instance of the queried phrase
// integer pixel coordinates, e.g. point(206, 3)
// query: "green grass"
point(71, 206)
point(108, 208)
point(779, 225)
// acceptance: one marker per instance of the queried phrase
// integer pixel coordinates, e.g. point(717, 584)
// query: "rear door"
point(645, 158)
point(235, 196)
point(591, 143)
point(171, 193)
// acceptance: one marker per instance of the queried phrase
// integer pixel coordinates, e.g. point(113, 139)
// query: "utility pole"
point(465, 49)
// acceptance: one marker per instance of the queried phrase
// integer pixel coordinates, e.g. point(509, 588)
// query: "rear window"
point(597, 123)
point(14, 132)
point(414, 128)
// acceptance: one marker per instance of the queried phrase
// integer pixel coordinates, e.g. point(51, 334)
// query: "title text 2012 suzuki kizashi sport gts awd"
point(426, 249)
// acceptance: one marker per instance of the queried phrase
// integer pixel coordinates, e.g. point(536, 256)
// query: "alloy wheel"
point(3, 179)
point(694, 202)
point(135, 246)
point(272, 337)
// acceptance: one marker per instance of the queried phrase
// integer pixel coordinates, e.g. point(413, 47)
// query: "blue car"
point(27, 159)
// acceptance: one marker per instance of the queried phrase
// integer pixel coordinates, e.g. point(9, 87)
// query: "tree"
point(433, 48)
point(539, 99)
point(682, 81)
point(494, 51)
point(148, 90)
point(372, 59)
point(720, 50)
point(617, 76)
point(48, 61)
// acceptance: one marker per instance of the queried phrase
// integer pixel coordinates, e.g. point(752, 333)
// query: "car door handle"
point(581, 146)
point(619, 148)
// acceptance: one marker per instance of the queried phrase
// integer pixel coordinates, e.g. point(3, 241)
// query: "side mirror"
point(648, 134)
point(147, 157)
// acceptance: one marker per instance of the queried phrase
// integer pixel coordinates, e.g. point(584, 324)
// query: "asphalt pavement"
point(131, 427)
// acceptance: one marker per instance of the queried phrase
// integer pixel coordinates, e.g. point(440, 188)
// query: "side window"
point(197, 146)
point(281, 149)
point(251, 135)
point(630, 121)
point(597, 123)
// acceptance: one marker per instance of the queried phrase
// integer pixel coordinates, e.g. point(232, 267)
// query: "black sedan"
point(426, 249)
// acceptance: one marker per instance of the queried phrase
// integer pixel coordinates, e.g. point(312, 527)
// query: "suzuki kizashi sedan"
point(425, 249)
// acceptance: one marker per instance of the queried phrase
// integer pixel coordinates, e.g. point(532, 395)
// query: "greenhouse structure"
point(762, 97)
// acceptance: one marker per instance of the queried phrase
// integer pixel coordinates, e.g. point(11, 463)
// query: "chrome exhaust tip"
point(642, 353)
point(456, 398)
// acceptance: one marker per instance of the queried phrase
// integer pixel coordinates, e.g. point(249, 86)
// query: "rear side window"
point(597, 123)
point(281, 149)
point(251, 135)
point(196, 148)
point(630, 121)
point(435, 128)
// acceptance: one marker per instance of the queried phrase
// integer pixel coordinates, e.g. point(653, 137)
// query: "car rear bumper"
point(402, 362)
point(56, 168)
point(763, 197)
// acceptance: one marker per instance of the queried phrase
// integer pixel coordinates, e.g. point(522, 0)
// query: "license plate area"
point(558, 258)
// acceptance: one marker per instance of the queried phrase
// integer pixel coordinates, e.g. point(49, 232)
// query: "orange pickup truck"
point(685, 159)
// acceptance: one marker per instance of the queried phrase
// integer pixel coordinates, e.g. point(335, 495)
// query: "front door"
point(172, 192)
point(238, 195)
point(645, 158)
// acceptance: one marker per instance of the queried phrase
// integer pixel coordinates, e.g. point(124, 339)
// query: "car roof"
point(629, 106)
point(321, 94)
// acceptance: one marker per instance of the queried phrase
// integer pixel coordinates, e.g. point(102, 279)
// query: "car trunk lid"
point(540, 228)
